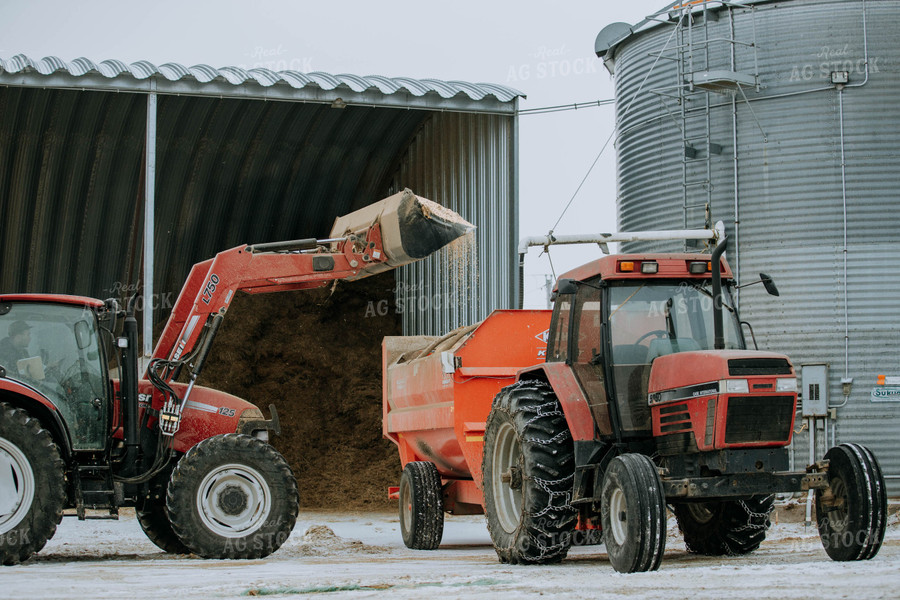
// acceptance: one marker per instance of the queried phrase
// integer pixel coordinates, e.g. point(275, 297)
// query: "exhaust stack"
point(411, 228)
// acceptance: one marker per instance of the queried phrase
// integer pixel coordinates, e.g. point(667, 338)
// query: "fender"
point(39, 406)
point(571, 397)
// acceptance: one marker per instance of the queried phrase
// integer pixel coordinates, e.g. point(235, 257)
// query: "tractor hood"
point(690, 371)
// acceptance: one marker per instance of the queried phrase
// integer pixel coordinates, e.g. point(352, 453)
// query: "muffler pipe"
point(718, 326)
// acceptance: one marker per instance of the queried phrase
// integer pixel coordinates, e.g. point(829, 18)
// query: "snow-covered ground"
point(362, 556)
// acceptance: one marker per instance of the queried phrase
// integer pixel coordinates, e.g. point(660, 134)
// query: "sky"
point(543, 49)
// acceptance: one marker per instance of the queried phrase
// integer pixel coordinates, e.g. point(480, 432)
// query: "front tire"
point(528, 467)
point(633, 514)
point(421, 506)
point(729, 527)
point(232, 496)
point(32, 485)
point(853, 516)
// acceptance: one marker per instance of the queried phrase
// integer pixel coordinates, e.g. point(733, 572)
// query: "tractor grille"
point(674, 418)
point(742, 367)
point(759, 419)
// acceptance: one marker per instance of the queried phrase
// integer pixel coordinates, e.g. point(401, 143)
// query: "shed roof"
point(261, 83)
point(241, 157)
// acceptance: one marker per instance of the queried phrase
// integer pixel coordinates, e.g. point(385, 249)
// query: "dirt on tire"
point(316, 355)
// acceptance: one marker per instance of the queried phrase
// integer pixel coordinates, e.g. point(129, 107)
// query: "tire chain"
point(538, 412)
point(764, 522)
point(545, 485)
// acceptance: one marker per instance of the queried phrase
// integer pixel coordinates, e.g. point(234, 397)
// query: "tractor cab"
point(614, 317)
point(51, 345)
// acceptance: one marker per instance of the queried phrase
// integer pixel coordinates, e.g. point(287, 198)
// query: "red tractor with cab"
point(641, 396)
point(81, 430)
point(649, 398)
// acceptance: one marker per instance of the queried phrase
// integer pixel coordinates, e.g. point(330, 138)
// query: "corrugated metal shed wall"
point(243, 171)
point(70, 167)
point(791, 200)
point(466, 163)
point(233, 170)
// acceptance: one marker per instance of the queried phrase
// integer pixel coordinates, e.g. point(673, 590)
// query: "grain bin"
point(781, 119)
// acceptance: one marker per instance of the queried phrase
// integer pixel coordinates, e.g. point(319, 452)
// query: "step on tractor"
point(82, 432)
point(644, 399)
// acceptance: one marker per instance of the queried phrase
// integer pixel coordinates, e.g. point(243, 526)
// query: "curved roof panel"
point(291, 84)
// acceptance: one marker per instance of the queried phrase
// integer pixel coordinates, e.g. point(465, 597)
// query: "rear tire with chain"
point(32, 475)
point(853, 517)
point(232, 496)
point(421, 506)
point(728, 527)
point(528, 468)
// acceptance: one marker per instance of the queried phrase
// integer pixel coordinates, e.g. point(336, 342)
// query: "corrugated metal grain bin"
point(781, 119)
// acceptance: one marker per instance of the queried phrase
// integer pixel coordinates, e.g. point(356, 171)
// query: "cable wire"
point(618, 121)
point(566, 107)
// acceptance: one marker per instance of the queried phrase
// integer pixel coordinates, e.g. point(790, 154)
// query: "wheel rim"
point(700, 512)
point(405, 505)
point(17, 481)
point(234, 500)
point(507, 455)
point(618, 516)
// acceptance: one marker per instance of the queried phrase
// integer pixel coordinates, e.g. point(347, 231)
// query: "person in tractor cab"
point(14, 347)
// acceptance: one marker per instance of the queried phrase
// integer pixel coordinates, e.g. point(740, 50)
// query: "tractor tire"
point(727, 527)
point(529, 471)
point(633, 514)
point(421, 506)
point(853, 516)
point(32, 480)
point(154, 522)
point(232, 496)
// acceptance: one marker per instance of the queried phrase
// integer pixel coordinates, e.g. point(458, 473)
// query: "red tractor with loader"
point(81, 430)
point(645, 399)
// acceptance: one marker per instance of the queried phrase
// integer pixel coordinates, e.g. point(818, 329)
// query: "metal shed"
point(104, 164)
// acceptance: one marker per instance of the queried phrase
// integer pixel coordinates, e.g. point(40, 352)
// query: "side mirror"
point(769, 284)
point(83, 335)
point(566, 287)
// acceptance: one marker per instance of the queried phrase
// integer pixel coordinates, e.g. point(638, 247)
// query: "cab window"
point(54, 349)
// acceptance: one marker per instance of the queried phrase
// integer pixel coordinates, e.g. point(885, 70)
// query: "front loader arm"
point(398, 230)
point(387, 234)
point(283, 266)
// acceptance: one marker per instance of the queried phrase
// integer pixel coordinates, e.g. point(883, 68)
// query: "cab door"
point(577, 339)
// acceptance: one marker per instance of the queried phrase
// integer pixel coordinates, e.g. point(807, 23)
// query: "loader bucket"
point(411, 227)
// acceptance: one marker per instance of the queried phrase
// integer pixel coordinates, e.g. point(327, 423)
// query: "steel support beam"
point(149, 214)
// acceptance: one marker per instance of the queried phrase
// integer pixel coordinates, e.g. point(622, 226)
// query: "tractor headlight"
point(786, 384)
point(736, 386)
